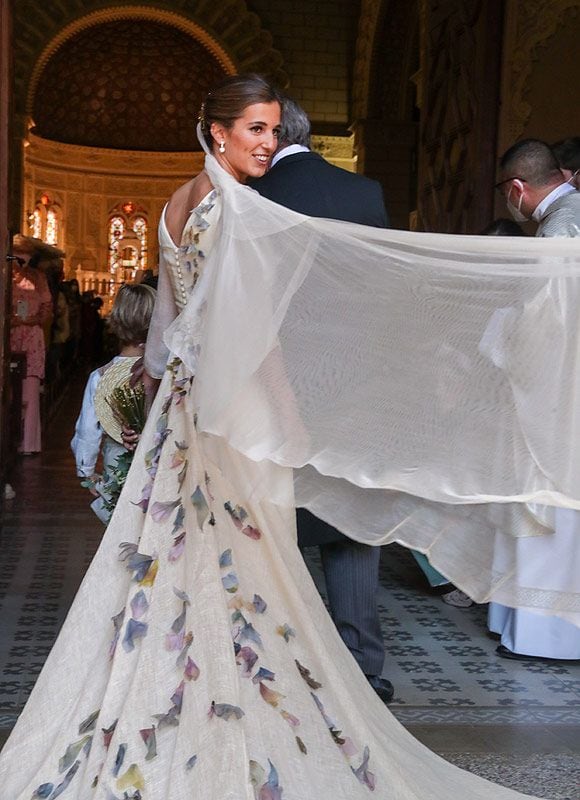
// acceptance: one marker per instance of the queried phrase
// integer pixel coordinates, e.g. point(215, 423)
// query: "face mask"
point(516, 212)
point(573, 179)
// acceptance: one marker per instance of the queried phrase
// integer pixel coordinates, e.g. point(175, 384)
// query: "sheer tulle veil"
point(424, 387)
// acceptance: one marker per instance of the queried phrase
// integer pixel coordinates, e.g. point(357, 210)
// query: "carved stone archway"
point(458, 129)
point(385, 131)
point(529, 24)
point(370, 14)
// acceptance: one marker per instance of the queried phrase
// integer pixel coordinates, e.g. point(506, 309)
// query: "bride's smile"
point(245, 149)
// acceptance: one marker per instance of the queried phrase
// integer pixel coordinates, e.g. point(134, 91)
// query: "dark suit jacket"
point(305, 182)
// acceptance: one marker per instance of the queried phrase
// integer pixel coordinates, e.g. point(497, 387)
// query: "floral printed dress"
point(198, 661)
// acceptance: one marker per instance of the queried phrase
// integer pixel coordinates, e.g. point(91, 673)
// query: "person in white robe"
point(531, 177)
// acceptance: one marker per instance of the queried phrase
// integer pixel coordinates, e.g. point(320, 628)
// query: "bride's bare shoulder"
point(192, 193)
point(183, 200)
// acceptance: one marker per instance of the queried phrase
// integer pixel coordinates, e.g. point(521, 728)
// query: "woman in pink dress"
point(31, 307)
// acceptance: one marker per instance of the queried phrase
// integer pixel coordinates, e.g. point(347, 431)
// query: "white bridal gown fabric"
point(197, 661)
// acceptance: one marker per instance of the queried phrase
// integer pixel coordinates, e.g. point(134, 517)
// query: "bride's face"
point(250, 143)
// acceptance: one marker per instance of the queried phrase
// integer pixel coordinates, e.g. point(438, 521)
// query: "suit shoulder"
point(358, 184)
point(355, 179)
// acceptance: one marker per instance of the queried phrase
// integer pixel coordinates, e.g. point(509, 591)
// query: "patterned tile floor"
point(443, 664)
point(515, 723)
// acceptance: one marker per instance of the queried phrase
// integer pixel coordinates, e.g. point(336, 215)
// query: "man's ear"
point(519, 187)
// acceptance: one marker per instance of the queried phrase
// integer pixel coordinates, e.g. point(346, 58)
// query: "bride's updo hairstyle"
point(228, 101)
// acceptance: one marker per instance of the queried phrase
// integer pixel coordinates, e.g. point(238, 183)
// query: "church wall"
point(460, 71)
point(540, 71)
point(556, 114)
point(86, 184)
point(540, 74)
point(317, 43)
point(384, 101)
point(5, 274)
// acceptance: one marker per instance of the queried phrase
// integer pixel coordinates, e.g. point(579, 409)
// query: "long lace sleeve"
point(165, 311)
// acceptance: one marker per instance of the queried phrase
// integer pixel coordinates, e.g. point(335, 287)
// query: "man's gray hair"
point(295, 125)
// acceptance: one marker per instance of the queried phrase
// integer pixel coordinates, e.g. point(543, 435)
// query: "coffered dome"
point(132, 84)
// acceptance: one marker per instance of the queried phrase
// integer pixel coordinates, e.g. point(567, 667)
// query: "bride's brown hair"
point(228, 101)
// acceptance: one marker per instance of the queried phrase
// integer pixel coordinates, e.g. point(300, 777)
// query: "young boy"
point(129, 321)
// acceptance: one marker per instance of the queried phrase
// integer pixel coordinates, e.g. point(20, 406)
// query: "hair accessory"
point(201, 117)
point(222, 147)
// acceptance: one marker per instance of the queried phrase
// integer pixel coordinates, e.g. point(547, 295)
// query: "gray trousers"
point(351, 571)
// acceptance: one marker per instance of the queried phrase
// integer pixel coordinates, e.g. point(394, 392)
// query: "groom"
point(303, 181)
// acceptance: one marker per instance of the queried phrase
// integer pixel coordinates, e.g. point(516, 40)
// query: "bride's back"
point(182, 201)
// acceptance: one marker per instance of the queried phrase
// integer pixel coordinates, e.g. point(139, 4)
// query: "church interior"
point(99, 103)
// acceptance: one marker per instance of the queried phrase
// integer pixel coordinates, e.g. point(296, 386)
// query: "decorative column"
point(385, 129)
point(460, 64)
point(5, 109)
point(529, 27)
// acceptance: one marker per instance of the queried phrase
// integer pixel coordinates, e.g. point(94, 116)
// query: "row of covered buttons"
point(180, 282)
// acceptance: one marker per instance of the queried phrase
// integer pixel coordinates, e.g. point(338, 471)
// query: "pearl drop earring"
point(222, 147)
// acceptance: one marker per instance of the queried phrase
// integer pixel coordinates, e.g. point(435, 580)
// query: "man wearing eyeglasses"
point(535, 188)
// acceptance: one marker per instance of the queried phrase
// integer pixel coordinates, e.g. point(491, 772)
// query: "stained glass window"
point(51, 236)
point(140, 228)
point(37, 224)
point(116, 230)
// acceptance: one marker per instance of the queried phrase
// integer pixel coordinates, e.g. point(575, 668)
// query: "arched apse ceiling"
point(134, 84)
point(234, 35)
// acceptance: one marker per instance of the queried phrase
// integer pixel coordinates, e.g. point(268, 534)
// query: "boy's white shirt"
point(86, 442)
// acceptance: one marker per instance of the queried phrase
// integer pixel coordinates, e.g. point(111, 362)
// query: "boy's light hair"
point(131, 314)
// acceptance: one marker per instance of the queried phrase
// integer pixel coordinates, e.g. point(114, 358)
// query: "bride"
point(198, 660)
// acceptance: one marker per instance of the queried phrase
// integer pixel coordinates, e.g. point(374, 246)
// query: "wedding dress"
point(198, 660)
point(406, 387)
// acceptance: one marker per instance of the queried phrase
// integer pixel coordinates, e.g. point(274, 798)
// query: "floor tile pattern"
point(443, 664)
point(557, 777)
